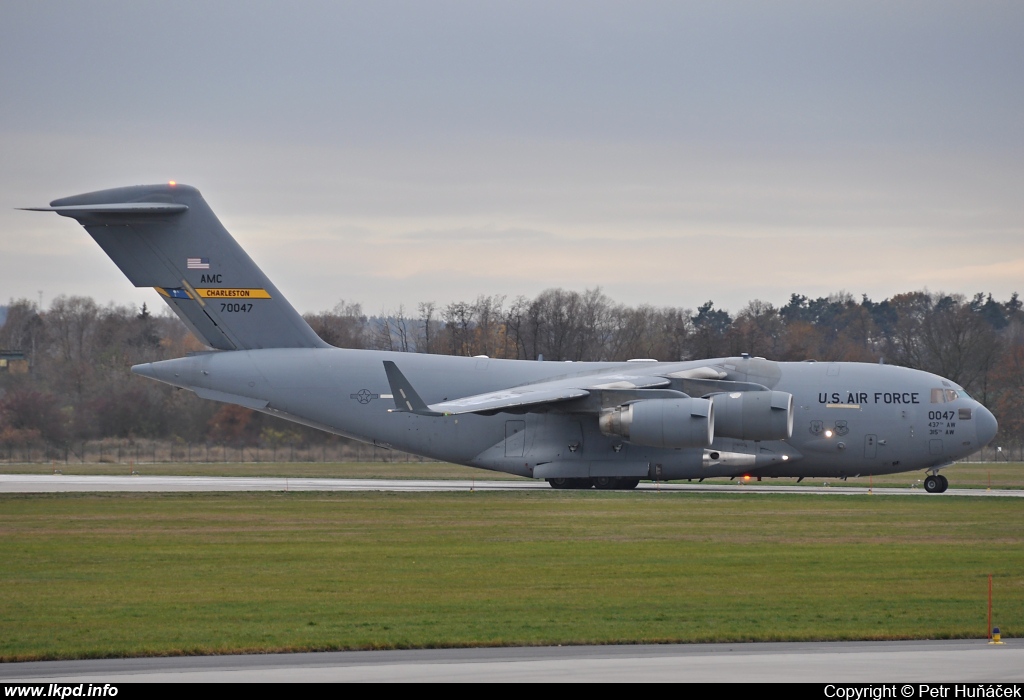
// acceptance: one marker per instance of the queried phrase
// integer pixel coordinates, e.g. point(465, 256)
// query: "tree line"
point(79, 387)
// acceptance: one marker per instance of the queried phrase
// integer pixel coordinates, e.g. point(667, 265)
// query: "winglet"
point(406, 398)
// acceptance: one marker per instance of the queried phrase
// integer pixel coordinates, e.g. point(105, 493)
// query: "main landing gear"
point(936, 483)
point(605, 483)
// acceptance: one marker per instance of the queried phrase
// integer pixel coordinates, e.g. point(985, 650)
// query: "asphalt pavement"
point(61, 483)
point(962, 661)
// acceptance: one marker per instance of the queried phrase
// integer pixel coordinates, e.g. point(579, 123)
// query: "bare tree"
point(458, 318)
point(390, 331)
point(758, 330)
point(343, 327)
point(427, 332)
point(961, 345)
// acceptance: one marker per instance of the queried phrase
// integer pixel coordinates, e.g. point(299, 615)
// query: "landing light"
point(785, 458)
point(828, 433)
point(172, 183)
point(746, 477)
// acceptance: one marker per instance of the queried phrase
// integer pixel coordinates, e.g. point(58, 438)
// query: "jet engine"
point(662, 422)
point(754, 415)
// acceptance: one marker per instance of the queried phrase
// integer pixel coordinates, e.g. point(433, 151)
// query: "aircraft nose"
point(986, 425)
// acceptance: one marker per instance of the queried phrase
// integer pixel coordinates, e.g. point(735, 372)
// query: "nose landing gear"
point(936, 483)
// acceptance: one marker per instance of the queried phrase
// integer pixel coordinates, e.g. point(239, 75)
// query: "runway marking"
point(46, 483)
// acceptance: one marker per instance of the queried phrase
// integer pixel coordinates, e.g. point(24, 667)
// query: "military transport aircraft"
point(577, 425)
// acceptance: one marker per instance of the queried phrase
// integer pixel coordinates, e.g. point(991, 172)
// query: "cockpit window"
point(951, 395)
point(938, 396)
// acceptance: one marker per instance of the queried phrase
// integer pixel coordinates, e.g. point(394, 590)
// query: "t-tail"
point(168, 238)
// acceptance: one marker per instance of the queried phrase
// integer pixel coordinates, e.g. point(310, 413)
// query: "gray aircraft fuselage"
point(850, 418)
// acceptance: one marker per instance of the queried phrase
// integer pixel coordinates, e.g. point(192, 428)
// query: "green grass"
point(129, 574)
point(1001, 475)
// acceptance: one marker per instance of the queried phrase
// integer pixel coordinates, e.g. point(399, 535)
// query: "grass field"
point(128, 574)
point(1000, 475)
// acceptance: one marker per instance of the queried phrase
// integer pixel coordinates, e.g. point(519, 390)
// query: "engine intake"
point(754, 415)
point(662, 422)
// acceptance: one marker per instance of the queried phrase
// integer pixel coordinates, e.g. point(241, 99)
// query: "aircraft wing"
point(552, 391)
point(517, 397)
point(505, 399)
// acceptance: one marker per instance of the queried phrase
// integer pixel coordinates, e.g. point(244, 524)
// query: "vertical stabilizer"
point(168, 238)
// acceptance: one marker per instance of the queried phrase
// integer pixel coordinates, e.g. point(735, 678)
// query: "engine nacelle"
point(662, 422)
point(754, 415)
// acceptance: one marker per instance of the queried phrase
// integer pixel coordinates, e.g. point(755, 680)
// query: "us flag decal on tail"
point(197, 263)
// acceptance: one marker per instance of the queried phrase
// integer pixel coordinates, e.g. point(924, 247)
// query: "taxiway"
point(59, 483)
point(966, 661)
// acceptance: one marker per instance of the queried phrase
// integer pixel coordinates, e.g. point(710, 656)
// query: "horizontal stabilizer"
point(124, 208)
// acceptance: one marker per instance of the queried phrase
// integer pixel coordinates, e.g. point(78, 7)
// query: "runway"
point(58, 483)
point(971, 661)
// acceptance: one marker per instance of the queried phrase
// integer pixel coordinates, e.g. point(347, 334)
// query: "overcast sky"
point(391, 152)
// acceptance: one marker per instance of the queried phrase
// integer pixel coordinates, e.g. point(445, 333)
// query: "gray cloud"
point(670, 152)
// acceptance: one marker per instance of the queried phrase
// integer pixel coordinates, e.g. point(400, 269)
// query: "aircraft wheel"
point(944, 483)
point(560, 483)
point(628, 484)
point(581, 483)
point(605, 483)
point(933, 484)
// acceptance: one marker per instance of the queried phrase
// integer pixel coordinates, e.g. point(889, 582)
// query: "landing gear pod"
point(754, 415)
point(662, 422)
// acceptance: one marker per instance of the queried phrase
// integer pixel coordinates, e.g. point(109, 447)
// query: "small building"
point(13, 362)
